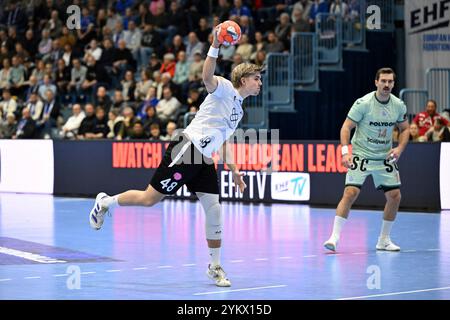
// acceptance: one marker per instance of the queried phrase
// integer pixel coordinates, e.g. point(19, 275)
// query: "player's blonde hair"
point(243, 70)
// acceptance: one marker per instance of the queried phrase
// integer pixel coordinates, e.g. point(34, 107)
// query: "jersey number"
point(165, 184)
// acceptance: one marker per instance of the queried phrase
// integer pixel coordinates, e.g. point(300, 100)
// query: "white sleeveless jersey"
point(217, 118)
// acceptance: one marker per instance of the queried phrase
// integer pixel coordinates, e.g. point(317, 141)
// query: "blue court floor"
point(49, 251)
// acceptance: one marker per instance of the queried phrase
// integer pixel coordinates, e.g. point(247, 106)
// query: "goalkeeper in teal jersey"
point(374, 116)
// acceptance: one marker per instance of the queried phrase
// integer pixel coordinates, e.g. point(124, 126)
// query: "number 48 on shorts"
point(167, 185)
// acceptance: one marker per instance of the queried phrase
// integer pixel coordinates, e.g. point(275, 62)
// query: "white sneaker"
point(331, 244)
point(96, 217)
point(217, 274)
point(386, 244)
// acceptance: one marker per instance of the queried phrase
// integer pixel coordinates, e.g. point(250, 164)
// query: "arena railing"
point(305, 60)
point(438, 86)
point(415, 100)
point(329, 42)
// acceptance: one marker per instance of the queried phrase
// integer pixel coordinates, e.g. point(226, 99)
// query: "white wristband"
point(213, 52)
point(344, 150)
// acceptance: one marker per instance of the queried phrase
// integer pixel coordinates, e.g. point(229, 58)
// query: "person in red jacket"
point(425, 119)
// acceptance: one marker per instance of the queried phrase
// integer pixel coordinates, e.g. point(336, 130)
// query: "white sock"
point(110, 201)
point(214, 256)
point(337, 226)
point(386, 229)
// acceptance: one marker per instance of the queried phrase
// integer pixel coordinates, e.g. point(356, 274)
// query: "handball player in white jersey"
point(187, 159)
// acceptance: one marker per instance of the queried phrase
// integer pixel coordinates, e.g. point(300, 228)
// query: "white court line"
point(37, 277)
point(261, 259)
point(60, 275)
point(189, 264)
point(409, 250)
point(433, 249)
point(359, 253)
point(164, 267)
point(113, 270)
point(89, 272)
point(236, 261)
point(142, 268)
point(236, 290)
point(284, 257)
point(395, 293)
point(310, 256)
point(5, 280)
point(29, 256)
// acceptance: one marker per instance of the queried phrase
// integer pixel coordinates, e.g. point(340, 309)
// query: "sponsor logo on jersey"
point(381, 124)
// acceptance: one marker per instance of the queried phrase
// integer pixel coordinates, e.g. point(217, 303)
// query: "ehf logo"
point(291, 186)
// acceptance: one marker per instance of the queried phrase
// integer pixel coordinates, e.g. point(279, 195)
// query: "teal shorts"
point(384, 174)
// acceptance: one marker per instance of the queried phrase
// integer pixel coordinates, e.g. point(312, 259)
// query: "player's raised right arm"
point(209, 79)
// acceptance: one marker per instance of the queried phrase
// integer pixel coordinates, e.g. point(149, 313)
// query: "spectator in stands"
point(283, 29)
point(122, 61)
point(245, 49)
point(195, 71)
point(190, 115)
point(92, 50)
point(127, 19)
point(167, 107)
point(239, 9)
point(113, 18)
point(237, 60)
point(73, 123)
point(30, 43)
point(133, 38)
point(127, 124)
point(170, 131)
point(13, 38)
point(21, 53)
point(95, 76)
point(114, 123)
point(138, 131)
point(9, 127)
point(425, 119)
point(339, 7)
point(203, 30)
point(49, 117)
point(77, 78)
point(181, 77)
point(304, 6)
point(273, 43)
point(318, 6)
point(88, 123)
point(118, 100)
point(100, 129)
point(176, 19)
point(39, 71)
point(150, 118)
point(54, 25)
point(155, 132)
point(17, 77)
point(177, 45)
point(247, 27)
point(26, 128)
point(299, 23)
point(150, 101)
point(222, 11)
point(144, 16)
point(143, 85)
point(35, 105)
point(439, 132)
point(102, 99)
point(150, 43)
point(118, 33)
point(45, 86)
point(194, 46)
point(33, 87)
point(67, 38)
point(5, 75)
point(168, 64)
point(8, 104)
point(260, 58)
point(62, 79)
point(45, 45)
point(154, 64)
point(128, 85)
point(194, 100)
point(414, 135)
point(4, 53)
point(15, 16)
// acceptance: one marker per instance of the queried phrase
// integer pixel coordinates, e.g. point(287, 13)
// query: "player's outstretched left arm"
point(403, 139)
point(209, 79)
point(228, 158)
